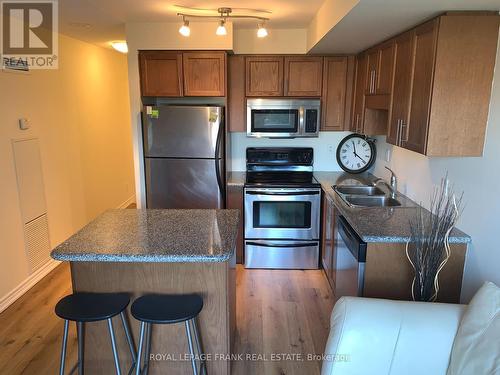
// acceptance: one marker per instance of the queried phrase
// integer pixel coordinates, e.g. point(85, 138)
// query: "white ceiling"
point(372, 21)
point(98, 21)
point(369, 22)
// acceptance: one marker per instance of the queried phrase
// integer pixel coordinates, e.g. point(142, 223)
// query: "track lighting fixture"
point(184, 30)
point(224, 14)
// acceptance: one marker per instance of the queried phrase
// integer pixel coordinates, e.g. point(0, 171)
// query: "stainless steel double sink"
point(365, 196)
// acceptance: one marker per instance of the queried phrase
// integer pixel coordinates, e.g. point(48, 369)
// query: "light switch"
point(24, 124)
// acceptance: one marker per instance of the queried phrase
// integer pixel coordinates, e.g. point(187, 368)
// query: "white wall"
point(80, 113)
point(478, 178)
point(325, 148)
point(278, 41)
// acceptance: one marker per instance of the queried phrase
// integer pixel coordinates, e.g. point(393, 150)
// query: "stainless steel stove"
point(282, 209)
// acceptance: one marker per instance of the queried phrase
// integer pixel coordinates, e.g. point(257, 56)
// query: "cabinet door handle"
point(372, 89)
point(374, 81)
point(398, 128)
point(406, 135)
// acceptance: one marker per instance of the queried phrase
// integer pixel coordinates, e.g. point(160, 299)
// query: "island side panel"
point(388, 273)
point(169, 343)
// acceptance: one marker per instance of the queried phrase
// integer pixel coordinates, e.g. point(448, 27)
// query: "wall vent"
point(32, 202)
point(36, 234)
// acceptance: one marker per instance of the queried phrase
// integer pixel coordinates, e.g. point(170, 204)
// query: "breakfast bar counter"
point(159, 251)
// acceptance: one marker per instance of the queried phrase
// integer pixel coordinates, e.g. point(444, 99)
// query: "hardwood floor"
point(30, 332)
point(281, 312)
point(282, 317)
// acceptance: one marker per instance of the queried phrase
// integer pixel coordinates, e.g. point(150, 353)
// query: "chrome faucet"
point(393, 186)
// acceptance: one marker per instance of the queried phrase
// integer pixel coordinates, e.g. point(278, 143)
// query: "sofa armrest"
point(375, 336)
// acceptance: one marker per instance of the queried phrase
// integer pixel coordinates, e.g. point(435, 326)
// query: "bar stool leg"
point(63, 349)
point(139, 352)
point(190, 343)
point(113, 345)
point(203, 364)
point(129, 337)
point(81, 349)
point(148, 349)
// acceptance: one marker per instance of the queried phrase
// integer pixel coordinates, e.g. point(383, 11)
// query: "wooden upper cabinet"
point(385, 69)
point(414, 132)
point(372, 66)
point(398, 115)
point(446, 66)
point(204, 73)
point(380, 69)
point(264, 76)
point(236, 93)
point(335, 82)
point(359, 94)
point(463, 75)
point(303, 76)
point(160, 73)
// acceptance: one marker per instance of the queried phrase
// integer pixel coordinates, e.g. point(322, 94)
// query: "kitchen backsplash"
point(325, 148)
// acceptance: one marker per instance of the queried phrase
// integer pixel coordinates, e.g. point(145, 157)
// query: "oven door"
point(281, 254)
point(282, 213)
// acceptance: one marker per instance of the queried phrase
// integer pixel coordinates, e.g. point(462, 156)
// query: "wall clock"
point(356, 153)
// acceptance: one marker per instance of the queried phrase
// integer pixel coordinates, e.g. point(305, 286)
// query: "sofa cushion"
point(476, 348)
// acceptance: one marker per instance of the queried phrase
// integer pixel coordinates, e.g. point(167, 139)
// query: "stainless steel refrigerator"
point(184, 156)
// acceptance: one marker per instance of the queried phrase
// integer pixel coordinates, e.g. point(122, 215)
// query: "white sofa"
point(375, 336)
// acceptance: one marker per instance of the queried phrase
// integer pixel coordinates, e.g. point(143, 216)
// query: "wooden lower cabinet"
point(328, 240)
point(388, 273)
point(235, 200)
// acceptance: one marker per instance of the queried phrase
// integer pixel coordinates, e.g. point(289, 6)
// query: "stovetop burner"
point(280, 167)
point(282, 179)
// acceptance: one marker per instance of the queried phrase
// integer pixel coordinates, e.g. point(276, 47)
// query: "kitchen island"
point(159, 251)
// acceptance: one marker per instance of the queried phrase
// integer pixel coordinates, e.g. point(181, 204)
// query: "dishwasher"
point(349, 262)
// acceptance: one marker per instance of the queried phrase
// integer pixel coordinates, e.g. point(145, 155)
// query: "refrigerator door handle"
point(218, 160)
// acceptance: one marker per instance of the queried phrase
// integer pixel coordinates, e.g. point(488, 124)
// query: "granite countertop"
point(154, 235)
point(377, 224)
point(236, 178)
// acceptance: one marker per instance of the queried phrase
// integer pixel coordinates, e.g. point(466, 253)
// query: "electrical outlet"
point(388, 155)
point(331, 149)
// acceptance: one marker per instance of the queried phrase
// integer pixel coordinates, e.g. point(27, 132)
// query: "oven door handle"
point(283, 193)
point(304, 244)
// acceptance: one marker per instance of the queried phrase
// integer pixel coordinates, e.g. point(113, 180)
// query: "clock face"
point(355, 154)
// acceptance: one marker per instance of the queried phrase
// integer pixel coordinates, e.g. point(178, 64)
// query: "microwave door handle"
point(283, 193)
point(301, 129)
point(304, 244)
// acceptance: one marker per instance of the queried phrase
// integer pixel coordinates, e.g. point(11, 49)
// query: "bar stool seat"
point(85, 308)
point(91, 307)
point(168, 309)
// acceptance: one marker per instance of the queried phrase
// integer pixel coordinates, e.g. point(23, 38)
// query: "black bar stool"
point(93, 307)
point(168, 309)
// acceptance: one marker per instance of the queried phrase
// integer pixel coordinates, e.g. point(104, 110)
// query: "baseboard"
point(39, 274)
point(128, 202)
point(27, 284)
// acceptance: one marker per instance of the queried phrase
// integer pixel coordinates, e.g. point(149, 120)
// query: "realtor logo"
point(29, 34)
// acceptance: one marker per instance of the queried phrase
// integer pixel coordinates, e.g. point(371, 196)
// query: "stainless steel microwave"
point(283, 118)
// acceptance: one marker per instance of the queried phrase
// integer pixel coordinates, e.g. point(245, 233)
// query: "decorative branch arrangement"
point(428, 249)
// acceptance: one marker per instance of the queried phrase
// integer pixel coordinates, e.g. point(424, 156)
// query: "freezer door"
point(183, 131)
point(184, 183)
